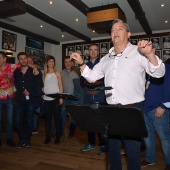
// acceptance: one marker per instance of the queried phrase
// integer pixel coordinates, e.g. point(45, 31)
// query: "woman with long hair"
point(52, 84)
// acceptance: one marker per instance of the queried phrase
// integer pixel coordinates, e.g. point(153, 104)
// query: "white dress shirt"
point(125, 74)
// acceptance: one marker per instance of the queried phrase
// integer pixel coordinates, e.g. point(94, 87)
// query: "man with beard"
point(28, 83)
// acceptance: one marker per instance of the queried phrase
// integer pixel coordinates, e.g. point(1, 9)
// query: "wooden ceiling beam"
point(38, 14)
point(140, 15)
point(78, 4)
point(25, 32)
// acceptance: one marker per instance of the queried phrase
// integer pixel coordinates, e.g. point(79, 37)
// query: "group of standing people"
point(28, 83)
point(124, 69)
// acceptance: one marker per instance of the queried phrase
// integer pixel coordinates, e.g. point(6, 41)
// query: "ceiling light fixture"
point(62, 36)
point(41, 26)
point(162, 5)
point(77, 19)
point(50, 2)
point(94, 31)
point(166, 22)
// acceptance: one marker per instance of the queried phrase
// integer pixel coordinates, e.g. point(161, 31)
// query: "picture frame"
point(86, 58)
point(78, 49)
point(165, 55)
point(134, 41)
point(156, 42)
point(34, 43)
point(10, 60)
point(70, 50)
point(159, 53)
point(9, 41)
point(104, 47)
point(166, 42)
point(37, 56)
point(86, 49)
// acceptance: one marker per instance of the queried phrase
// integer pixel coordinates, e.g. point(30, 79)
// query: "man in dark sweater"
point(28, 83)
point(156, 115)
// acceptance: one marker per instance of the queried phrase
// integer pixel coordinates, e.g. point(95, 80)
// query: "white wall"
point(51, 49)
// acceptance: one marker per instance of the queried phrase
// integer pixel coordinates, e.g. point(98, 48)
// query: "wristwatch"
point(81, 64)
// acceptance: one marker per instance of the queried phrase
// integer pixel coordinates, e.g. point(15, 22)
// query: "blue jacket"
point(158, 93)
point(91, 65)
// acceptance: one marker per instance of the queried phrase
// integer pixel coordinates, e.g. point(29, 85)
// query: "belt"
point(120, 105)
point(91, 92)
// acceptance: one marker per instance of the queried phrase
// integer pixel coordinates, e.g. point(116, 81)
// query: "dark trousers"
point(24, 110)
point(52, 108)
point(89, 99)
point(132, 150)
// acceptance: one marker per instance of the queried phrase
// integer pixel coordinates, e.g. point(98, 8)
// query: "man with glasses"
point(124, 70)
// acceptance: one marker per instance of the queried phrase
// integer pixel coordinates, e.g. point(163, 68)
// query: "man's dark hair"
point(21, 53)
point(3, 54)
point(66, 57)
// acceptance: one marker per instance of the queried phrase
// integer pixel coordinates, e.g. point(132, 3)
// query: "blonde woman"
point(52, 84)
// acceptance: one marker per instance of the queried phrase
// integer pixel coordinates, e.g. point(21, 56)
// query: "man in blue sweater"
point(156, 115)
point(91, 96)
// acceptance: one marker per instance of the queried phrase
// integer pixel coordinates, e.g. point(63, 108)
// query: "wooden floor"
point(65, 156)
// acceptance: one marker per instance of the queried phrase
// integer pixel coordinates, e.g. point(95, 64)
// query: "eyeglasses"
point(115, 55)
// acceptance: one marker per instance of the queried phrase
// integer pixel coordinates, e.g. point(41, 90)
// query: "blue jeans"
point(161, 126)
point(132, 149)
point(24, 114)
point(8, 105)
point(89, 99)
point(64, 115)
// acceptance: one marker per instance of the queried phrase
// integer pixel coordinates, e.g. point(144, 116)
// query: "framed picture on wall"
point(165, 54)
point(78, 49)
point(37, 55)
point(69, 50)
point(166, 42)
point(10, 60)
point(34, 43)
point(156, 42)
point(86, 49)
point(9, 41)
point(86, 58)
point(134, 41)
point(159, 53)
point(104, 47)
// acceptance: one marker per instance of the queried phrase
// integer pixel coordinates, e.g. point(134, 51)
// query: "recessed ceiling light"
point(50, 2)
point(166, 21)
point(77, 19)
point(41, 26)
point(62, 36)
point(94, 31)
point(162, 5)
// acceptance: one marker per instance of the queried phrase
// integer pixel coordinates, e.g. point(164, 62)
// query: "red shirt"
point(7, 81)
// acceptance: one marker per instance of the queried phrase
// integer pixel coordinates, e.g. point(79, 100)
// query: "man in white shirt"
point(124, 70)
